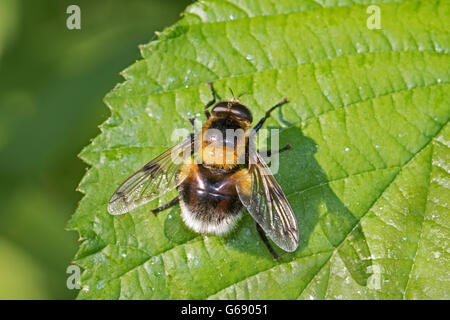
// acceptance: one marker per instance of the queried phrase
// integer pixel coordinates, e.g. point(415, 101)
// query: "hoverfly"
point(212, 193)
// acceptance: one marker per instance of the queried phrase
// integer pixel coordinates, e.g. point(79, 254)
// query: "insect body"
point(217, 179)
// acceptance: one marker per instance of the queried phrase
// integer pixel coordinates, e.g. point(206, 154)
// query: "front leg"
point(267, 115)
point(192, 121)
point(213, 100)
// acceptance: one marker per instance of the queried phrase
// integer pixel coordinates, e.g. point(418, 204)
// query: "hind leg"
point(167, 205)
point(266, 242)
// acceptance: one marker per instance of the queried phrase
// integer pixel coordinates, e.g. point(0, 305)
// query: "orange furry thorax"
point(215, 151)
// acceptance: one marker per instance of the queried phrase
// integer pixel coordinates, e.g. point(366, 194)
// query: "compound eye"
point(220, 107)
point(242, 112)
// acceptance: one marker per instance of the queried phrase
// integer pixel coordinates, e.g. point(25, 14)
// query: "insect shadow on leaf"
point(315, 204)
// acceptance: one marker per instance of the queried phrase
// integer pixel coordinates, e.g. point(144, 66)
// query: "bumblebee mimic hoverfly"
point(212, 193)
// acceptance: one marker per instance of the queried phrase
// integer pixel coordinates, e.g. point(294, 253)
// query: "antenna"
point(243, 93)
point(232, 93)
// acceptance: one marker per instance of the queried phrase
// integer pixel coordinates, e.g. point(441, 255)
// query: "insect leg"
point(267, 115)
point(167, 205)
point(285, 148)
point(213, 100)
point(266, 241)
point(192, 121)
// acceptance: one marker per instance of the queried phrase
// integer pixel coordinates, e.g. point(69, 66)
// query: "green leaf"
point(8, 22)
point(368, 176)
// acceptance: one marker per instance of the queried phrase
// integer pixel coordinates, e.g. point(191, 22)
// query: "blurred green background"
point(51, 88)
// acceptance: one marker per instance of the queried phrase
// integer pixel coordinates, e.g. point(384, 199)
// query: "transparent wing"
point(267, 204)
point(153, 180)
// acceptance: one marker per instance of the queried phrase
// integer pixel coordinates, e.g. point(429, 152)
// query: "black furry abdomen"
point(209, 201)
